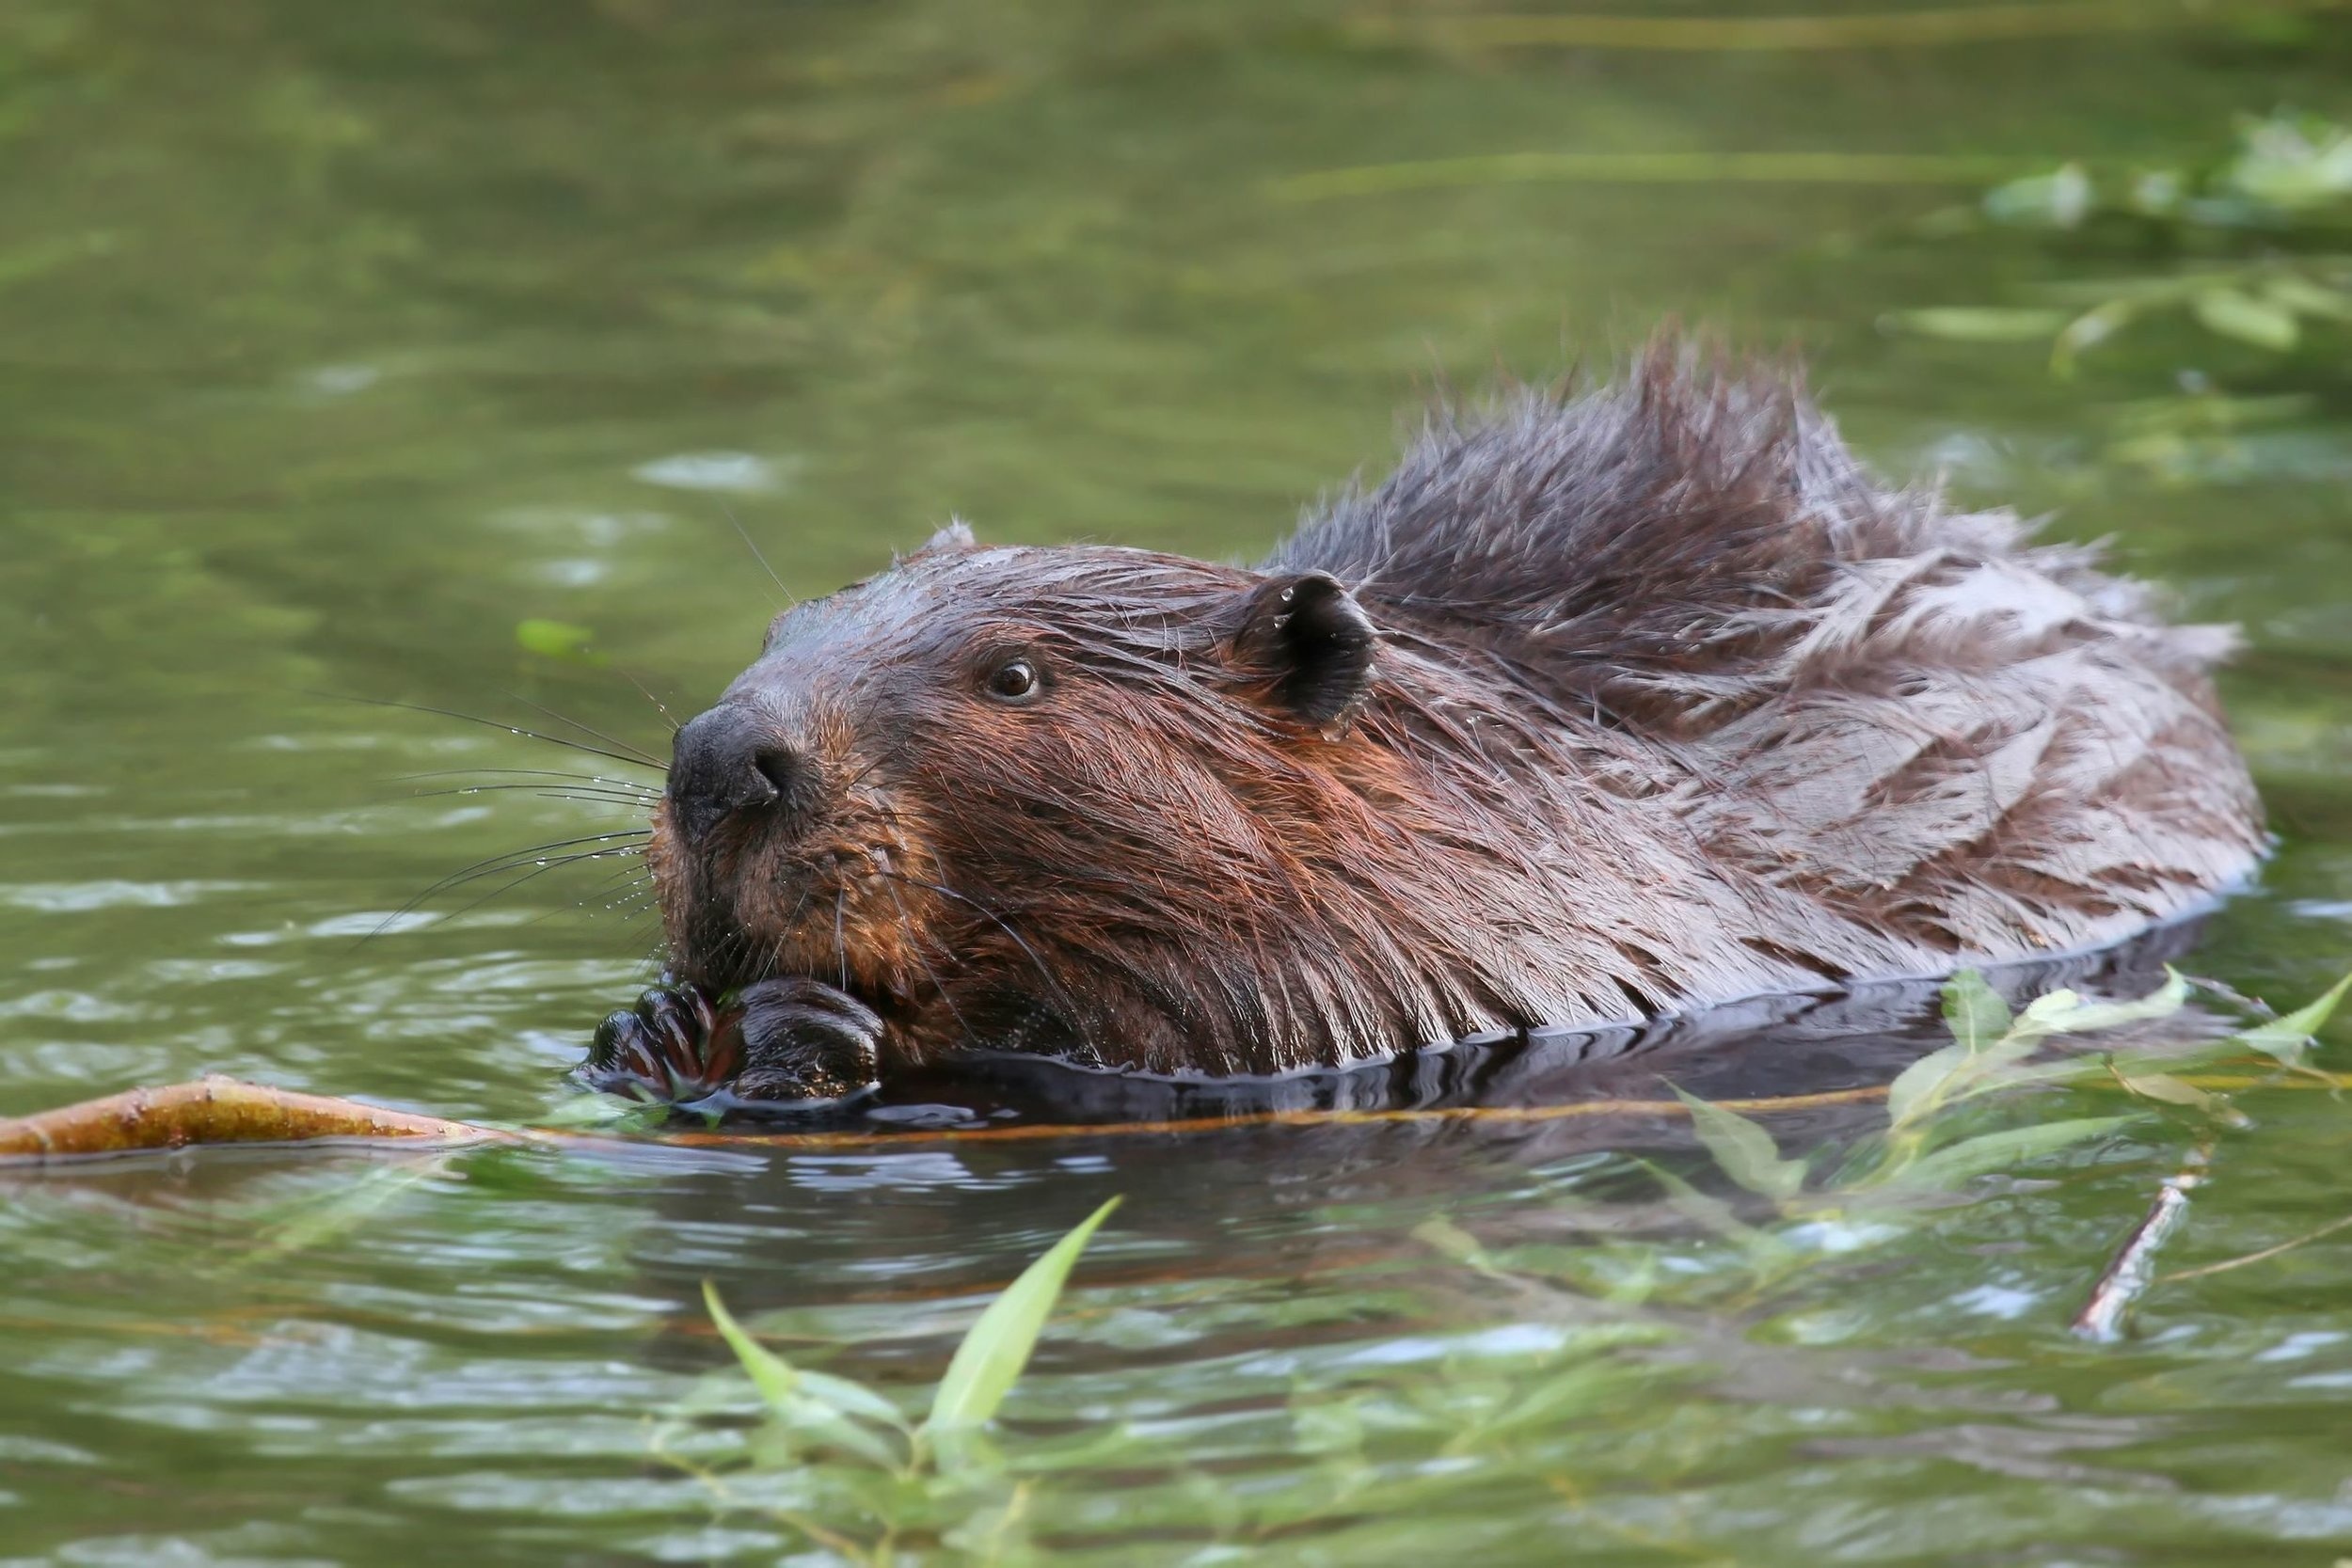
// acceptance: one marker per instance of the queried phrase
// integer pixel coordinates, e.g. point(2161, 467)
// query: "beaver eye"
point(1013, 681)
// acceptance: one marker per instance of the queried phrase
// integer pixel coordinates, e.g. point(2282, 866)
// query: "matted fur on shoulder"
point(1909, 715)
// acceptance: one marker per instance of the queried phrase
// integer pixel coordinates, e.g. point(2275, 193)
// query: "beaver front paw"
point(670, 1046)
point(792, 1039)
point(804, 1040)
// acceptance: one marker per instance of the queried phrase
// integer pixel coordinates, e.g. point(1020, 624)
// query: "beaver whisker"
point(743, 534)
point(510, 729)
point(914, 946)
point(635, 879)
point(618, 886)
point(658, 707)
point(630, 747)
point(1005, 925)
point(840, 940)
point(735, 952)
point(597, 798)
point(514, 860)
point(861, 776)
point(528, 773)
point(537, 870)
point(548, 862)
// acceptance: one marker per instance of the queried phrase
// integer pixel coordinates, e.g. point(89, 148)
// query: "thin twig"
point(1649, 168)
point(1882, 29)
point(91, 1112)
point(2134, 1268)
point(2266, 1254)
point(2229, 993)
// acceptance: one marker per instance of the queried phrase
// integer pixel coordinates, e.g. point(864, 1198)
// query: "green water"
point(338, 340)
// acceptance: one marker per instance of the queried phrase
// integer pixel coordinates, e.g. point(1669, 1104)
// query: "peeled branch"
point(214, 1110)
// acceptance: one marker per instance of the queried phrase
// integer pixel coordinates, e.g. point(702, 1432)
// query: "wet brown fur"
point(1670, 703)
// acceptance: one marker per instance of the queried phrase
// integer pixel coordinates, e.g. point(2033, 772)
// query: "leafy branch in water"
point(1995, 1051)
point(901, 1472)
point(2261, 234)
point(1625, 1318)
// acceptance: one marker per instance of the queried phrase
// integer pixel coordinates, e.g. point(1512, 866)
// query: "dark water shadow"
point(1819, 1045)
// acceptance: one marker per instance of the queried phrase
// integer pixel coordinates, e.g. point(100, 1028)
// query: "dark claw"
point(670, 1046)
point(804, 1040)
point(784, 1039)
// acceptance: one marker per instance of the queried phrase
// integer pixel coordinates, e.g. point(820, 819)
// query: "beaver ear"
point(957, 535)
point(1309, 635)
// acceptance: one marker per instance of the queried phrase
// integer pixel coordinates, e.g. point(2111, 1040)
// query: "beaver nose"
point(726, 762)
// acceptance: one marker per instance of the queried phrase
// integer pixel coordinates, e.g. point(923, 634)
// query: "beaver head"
point(1015, 797)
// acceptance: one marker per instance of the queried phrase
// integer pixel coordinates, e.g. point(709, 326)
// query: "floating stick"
point(214, 1110)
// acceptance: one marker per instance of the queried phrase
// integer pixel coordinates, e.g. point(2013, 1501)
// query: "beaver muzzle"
point(741, 787)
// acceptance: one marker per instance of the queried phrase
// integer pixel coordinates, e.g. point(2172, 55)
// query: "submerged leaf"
point(1744, 1150)
point(1974, 1011)
point(2064, 1012)
point(1970, 323)
point(1766, 1251)
point(1444, 1236)
point(2248, 320)
point(1919, 1087)
point(344, 1213)
point(2087, 331)
point(998, 1346)
point(1956, 1163)
point(2169, 1090)
point(556, 639)
point(2059, 199)
point(2307, 298)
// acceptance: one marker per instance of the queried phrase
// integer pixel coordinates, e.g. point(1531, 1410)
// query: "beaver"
point(1611, 704)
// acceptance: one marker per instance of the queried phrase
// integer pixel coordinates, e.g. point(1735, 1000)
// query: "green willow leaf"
point(2259, 322)
point(2164, 1087)
point(771, 1374)
point(2307, 298)
point(2059, 199)
point(998, 1346)
point(1972, 323)
point(1764, 1249)
point(2087, 331)
point(1919, 1087)
point(1974, 1011)
point(1956, 1163)
point(2063, 1012)
point(2288, 1039)
point(851, 1399)
point(811, 1406)
point(336, 1217)
point(1744, 1150)
point(559, 640)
